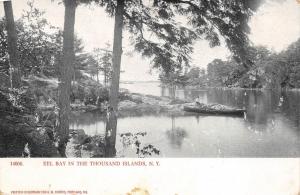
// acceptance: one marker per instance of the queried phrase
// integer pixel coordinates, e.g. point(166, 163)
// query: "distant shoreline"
point(132, 82)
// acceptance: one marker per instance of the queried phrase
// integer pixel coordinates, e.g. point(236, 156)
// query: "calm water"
point(268, 130)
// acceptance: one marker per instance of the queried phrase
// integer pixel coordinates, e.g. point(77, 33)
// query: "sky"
point(275, 25)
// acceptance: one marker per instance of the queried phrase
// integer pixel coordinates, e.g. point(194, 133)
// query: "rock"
point(78, 135)
point(73, 148)
point(96, 147)
point(178, 101)
point(149, 104)
point(12, 145)
point(127, 104)
point(136, 98)
point(173, 108)
point(82, 145)
point(40, 144)
point(153, 97)
point(18, 126)
point(147, 108)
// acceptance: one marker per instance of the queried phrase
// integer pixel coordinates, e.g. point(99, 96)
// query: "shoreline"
point(192, 87)
point(135, 104)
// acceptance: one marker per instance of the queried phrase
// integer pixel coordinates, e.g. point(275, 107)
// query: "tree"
point(220, 73)
point(65, 76)
point(196, 76)
point(231, 74)
point(104, 59)
point(111, 126)
point(171, 43)
point(282, 70)
point(209, 20)
point(131, 15)
point(292, 56)
point(12, 45)
point(194, 72)
point(106, 67)
point(37, 43)
point(4, 61)
point(92, 66)
point(174, 79)
point(39, 46)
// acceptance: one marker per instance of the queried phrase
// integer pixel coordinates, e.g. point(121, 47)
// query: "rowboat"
point(215, 109)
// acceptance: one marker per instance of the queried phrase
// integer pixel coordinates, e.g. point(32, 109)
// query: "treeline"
point(268, 70)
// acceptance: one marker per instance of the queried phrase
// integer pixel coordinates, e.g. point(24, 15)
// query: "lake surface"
point(271, 127)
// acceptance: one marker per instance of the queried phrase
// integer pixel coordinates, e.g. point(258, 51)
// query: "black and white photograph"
point(150, 78)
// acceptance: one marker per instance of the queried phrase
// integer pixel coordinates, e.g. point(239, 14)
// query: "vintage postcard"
point(150, 97)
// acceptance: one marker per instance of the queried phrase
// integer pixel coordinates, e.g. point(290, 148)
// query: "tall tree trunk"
point(104, 81)
point(106, 76)
point(15, 75)
point(97, 76)
point(111, 125)
point(65, 71)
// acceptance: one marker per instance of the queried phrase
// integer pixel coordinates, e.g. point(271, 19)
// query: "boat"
point(215, 109)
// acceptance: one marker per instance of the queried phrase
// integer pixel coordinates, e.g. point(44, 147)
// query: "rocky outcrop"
point(19, 134)
point(83, 145)
point(144, 104)
point(41, 143)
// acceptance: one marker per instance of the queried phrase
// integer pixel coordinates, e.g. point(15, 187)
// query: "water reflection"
point(270, 128)
point(260, 105)
point(176, 134)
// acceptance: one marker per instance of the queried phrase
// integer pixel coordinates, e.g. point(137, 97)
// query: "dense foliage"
point(270, 70)
point(40, 47)
point(156, 32)
point(22, 132)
